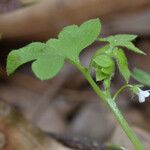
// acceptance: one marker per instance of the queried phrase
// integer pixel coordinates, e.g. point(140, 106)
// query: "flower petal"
point(145, 93)
point(141, 98)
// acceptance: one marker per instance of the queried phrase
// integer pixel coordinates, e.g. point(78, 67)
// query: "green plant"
point(141, 76)
point(48, 59)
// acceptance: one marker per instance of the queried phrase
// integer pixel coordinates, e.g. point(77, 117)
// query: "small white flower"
point(143, 94)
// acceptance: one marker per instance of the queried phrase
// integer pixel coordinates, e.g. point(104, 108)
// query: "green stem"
point(112, 105)
point(120, 90)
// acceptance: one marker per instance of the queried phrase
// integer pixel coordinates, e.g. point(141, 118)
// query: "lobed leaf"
point(122, 62)
point(132, 47)
point(46, 68)
point(123, 40)
point(119, 38)
point(49, 57)
point(73, 39)
point(16, 58)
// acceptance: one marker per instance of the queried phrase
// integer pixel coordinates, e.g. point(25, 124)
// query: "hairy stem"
point(112, 105)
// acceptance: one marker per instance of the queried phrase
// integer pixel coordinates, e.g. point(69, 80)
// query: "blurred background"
point(64, 113)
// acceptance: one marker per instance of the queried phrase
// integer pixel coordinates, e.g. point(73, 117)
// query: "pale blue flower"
point(143, 95)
